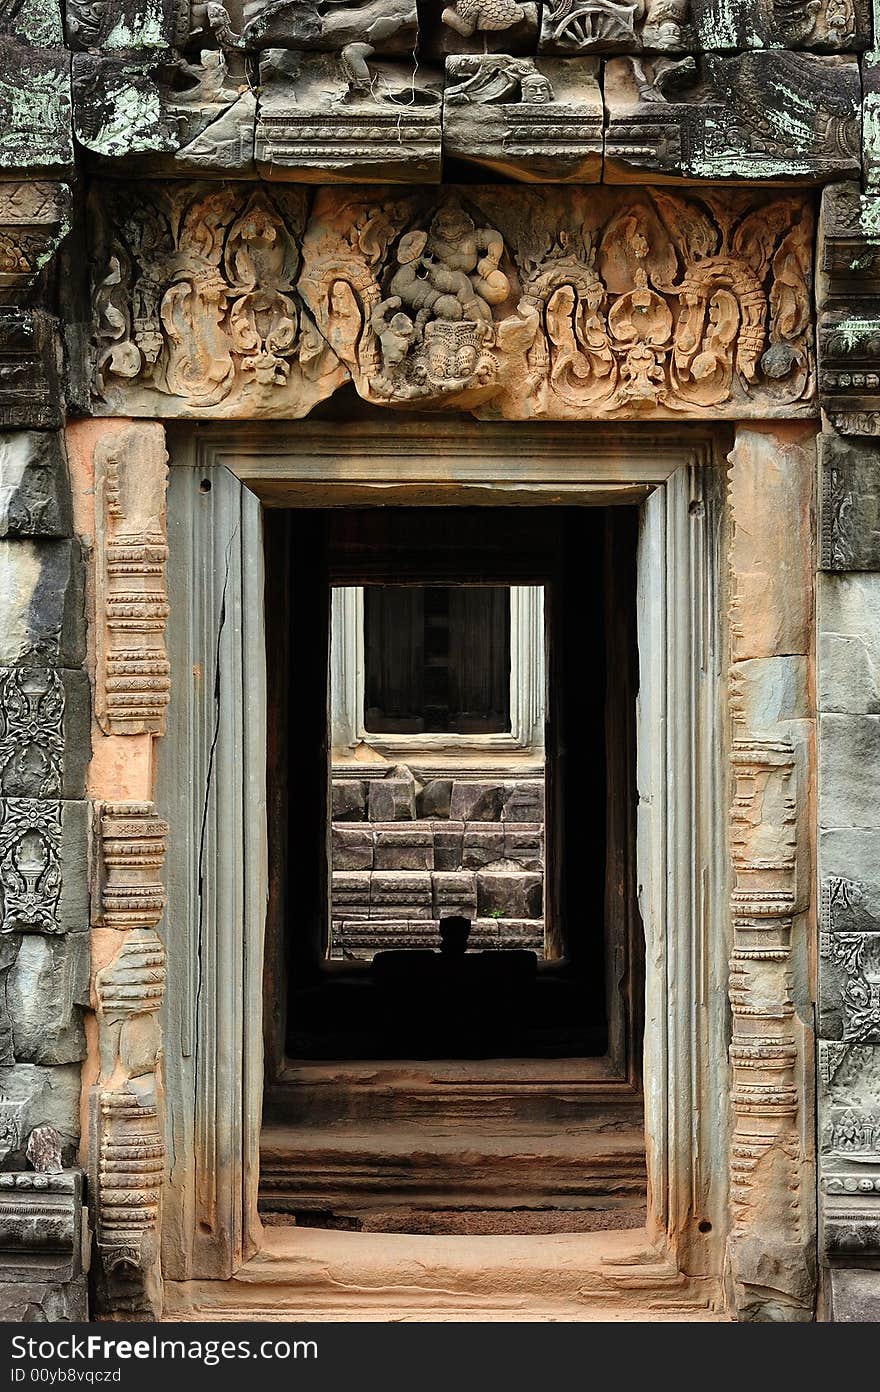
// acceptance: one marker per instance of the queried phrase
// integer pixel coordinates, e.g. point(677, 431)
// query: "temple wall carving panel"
point(508, 303)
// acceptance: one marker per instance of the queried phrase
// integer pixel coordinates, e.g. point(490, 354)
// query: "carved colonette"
point(126, 1146)
point(770, 1249)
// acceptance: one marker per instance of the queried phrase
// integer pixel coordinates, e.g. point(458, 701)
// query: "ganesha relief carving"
point(195, 310)
point(604, 303)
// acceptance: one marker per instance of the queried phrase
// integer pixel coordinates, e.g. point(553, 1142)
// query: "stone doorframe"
point(725, 757)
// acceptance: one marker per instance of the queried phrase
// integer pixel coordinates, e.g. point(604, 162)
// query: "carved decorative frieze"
point(35, 117)
point(30, 865)
point(528, 118)
point(598, 26)
point(849, 1128)
point(726, 117)
point(127, 1153)
point(31, 732)
point(329, 117)
point(849, 500)
point(30, 355)
point(849, 309)
point(567, 306)
point(132, 681)
point(835, 25)
point(41, 1275)
point(34, 219)
point(195, 310)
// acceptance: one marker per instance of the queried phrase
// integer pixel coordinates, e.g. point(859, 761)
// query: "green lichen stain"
point(130, 124)
point(869, 217)
point(147, 34)
point(855, 331)
point(35, 119)
point(38, 23)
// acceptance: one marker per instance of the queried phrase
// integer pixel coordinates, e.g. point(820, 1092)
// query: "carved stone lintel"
point(195, 306)
point(132, 670)
point(584, 304)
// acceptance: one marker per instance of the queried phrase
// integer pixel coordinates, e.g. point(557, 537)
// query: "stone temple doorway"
point(451, 992)
point(267, 1122)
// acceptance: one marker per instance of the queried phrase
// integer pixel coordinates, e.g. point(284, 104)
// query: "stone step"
point(346, 1168)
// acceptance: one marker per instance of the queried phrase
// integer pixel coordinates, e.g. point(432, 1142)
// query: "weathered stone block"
point(320, 120)
point(506, 26)
point(34, 1095)
point(46, 989)
point(412, 849)
point(767, 690)
point(849, 500)
point(849, 770)
point(848, 658)
point(827, 24)
point(509, 894)
point(525, 118)
point(855, 1296)
point(524, 802)
point(30, 356)
point(348, 799)
point(481, 846)
point(454, 893)
point(44, 865)
point(35, 121)
point(41, 598)
point(129, 108)
point(433, 799)
point(392, 800)
point(127, 25)
point(771, 606)
point(41, 1276)
point(850, 969)
point(401, 894)
point(387, 28)
point(655, 25)
point(524, 844)
point(45, 732)
point(476, 802)
point(35, 217)
point(352, 847)
point(749, 116)
point(848, 335)
point(34, 486)
point(350, 892)
point(448, 840)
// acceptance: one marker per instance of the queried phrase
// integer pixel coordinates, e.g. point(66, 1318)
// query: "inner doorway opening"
point(455, 960)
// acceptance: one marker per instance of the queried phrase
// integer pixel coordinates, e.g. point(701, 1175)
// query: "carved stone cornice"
point(849, 309)
point(34, 220)
point(132, 669)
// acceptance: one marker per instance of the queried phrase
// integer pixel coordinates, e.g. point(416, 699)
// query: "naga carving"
point(195, 309)
point(132, 672)
point(598, 304)
point(127, 1153)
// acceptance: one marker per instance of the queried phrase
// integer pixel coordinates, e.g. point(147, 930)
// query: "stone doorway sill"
point(311, 1274)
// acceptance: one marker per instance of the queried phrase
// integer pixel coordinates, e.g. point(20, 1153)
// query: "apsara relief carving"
point(195, 307)
point(572, 306)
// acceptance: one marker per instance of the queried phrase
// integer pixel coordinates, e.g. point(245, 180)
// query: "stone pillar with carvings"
point(770, 1250)
point(848, 683)
point(126, 1148)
